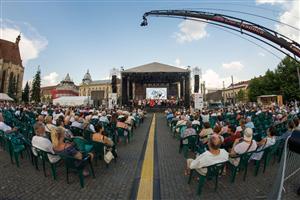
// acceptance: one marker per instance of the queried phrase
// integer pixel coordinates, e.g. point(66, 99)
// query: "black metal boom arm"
point(243, 25)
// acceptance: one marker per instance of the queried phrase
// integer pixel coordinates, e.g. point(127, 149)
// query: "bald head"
point(215, 142)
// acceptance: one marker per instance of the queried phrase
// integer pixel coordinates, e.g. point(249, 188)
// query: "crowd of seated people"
point(53, 126)
point(225, 134)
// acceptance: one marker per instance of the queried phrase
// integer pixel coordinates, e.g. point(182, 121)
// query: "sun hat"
point(248, 134)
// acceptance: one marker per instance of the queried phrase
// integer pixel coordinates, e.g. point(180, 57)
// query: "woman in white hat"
point(242, 145)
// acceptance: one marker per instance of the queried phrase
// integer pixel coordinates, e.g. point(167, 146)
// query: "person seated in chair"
point(77, 123)
point(40, 141)
point(103, 117)
point(189, 130)
point(4, 127)
point(265, 142)
point(242, 145)
point(122, 124)
point(205, 132)
point(66, 148)
point(232, 136)
point(100, 136)
point(210, 157)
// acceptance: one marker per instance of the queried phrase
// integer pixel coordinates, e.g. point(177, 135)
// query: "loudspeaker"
point(196, 83)
point(114, 84)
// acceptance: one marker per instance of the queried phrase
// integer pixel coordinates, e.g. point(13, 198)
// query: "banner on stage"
point(198, 100)
point(112, 100)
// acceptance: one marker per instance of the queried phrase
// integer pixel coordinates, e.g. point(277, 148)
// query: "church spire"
point(18, 39)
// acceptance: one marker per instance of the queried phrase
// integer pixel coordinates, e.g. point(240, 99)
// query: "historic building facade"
point(65, 88)
point(11, 66)
point(232, 92)
point(101, 88)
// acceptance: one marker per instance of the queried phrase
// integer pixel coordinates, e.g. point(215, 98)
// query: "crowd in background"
point(225, 134)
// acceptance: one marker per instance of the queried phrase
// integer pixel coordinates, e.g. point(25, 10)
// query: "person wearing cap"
point(210, 157)
point(265, 142)
point(242, 145)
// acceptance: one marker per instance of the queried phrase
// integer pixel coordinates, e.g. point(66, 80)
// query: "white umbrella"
point(5, 97)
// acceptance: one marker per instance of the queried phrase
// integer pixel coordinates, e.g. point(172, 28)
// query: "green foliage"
point(36, 87)
point(241, 95)
point(25, 93)
point(12, 87)
point(282, 81)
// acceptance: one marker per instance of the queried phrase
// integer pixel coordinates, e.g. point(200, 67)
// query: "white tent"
point(5, 97)
point(73, 100)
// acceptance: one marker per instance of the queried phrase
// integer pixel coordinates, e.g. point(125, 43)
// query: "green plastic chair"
point(76, 131)
point(181, 130)
point(43, 156)
point(15, 148)
point(73, 164)
point(197, 128)
point(191, 145)
point(83, 145)
point(122, 136)
point(268, 153)
point(87, 135)
point(243, 165)
point(213, 172)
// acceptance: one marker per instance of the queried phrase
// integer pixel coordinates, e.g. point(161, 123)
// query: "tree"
point(25, 93)
point(36, 87)
point(282, 81)
point(288, 79)
point(12, 87)
point(255, 88)
point(241, 95)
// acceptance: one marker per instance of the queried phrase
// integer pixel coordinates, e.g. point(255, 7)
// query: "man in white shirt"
point(213, 156)
point(41, 142)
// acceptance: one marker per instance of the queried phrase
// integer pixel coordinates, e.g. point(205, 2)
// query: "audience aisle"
point(114, 182)
point(173, 183)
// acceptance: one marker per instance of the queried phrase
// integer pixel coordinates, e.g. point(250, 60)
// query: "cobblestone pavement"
point(173, 183)
point(114, 182)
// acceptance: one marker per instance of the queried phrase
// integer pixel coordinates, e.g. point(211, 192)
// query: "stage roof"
point(154, 67)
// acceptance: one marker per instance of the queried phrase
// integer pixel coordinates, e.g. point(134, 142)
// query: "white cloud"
point(31, 44)
point(213, 80)
point(50, 79)
point(177, 62)
point(190, 30)
point(290, 16)
point(270, 1)
point(261, 54)
point(234, 65)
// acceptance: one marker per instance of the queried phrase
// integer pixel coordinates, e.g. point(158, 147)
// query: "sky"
point(75, 36)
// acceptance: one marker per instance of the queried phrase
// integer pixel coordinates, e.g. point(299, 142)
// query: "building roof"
point(67, 78)
point(9, 51)
point(87, 77)
point(242, 83)
point(265, 96)
point(100, 82)
point(154, 67)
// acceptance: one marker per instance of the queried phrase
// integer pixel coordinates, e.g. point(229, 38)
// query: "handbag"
point(108, 157)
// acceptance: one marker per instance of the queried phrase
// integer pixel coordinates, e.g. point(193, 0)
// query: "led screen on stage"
point(156, 93)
